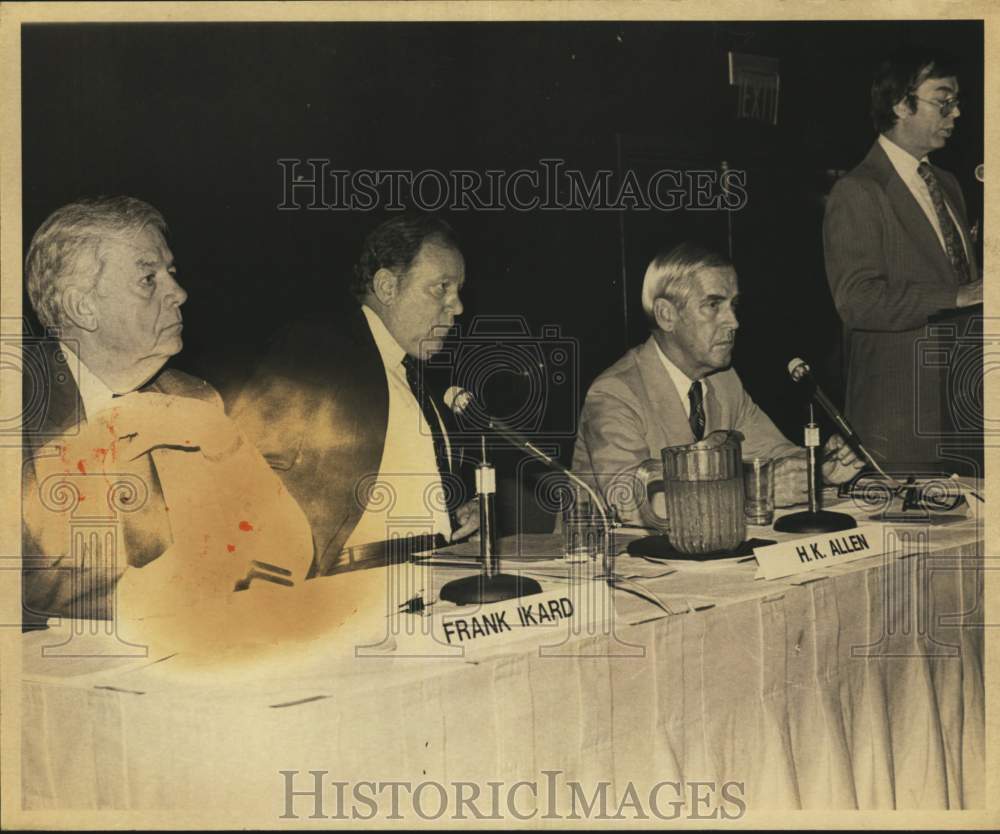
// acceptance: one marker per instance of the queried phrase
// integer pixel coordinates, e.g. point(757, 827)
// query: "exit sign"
point(757, 82)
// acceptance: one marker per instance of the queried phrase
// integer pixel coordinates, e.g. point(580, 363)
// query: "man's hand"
point(840, 464)
point(468, 520)
point(969, 294)
point(791, 481)
point(791, 477)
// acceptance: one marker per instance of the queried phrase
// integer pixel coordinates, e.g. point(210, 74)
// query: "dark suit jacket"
point(317, 408)
point(888, 274)
point(53, 409)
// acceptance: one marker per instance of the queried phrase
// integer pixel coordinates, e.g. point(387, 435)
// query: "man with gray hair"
point(100, 272)
point(678, 386)
point(106, 425)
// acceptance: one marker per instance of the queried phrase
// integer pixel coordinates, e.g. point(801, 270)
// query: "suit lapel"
point(909, 213)
point(668, 410)
point(54, 391)
point(713, 409)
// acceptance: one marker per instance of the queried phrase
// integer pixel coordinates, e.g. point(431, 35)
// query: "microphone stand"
point(813, 520)
point(489, 585)
point(458, 400)
point(607, 514)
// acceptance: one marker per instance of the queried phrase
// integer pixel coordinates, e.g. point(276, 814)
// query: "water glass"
point(583, 529)
point(758, 491)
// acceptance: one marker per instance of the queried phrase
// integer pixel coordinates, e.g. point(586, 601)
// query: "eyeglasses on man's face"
point(946, 106)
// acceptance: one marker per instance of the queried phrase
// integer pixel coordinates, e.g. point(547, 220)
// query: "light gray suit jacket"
point(633, 410)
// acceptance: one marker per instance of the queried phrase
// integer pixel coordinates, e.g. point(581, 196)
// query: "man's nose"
point(455, 306)
point(175, 292)
point(731, 320)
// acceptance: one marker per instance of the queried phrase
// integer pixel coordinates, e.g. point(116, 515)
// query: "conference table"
point(854, 685)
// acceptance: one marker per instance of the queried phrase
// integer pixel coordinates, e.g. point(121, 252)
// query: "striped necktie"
point(952, 239)
point(697, 415)
point(414, 378)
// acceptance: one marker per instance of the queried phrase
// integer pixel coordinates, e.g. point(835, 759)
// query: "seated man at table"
point(141, 498)
point(342, 409)
point(678, 386)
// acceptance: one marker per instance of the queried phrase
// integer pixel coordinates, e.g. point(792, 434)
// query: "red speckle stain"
point(81, 467)
point(246, 526)
point(231, 547)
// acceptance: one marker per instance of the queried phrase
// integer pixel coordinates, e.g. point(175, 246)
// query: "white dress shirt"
point(96, 396)
point(408, 467)
point(682, 382)
point(906, 166)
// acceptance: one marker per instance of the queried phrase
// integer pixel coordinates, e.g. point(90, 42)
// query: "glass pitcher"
point(703, 486)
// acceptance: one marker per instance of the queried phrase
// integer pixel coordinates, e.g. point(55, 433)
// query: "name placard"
point(818, 550)
point(512, 618)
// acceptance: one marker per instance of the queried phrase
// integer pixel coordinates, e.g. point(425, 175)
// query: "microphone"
point(459, 400)
point(798, 370)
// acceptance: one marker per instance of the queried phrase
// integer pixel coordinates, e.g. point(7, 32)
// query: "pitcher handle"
point(650, 476)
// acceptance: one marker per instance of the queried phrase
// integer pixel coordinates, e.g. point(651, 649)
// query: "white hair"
point(671, 273)
point(55, 259)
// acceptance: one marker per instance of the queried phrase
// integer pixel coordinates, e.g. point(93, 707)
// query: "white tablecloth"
point(858, 686)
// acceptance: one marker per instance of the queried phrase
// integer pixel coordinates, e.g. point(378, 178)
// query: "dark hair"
point(899, 76)
point(394, 243)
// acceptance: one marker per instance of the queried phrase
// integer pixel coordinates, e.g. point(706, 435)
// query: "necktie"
point(697, 416)
point(414, 378)
point(952, 239)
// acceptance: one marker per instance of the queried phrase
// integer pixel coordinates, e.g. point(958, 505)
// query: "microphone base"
point(484, 589)
point(822, 521)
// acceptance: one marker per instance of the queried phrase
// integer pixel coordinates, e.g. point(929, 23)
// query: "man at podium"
point(898, 252)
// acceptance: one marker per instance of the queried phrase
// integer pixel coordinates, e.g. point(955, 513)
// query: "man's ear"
point(385, 285)
point(665, 314)
point(78, 307)
point(902, 108)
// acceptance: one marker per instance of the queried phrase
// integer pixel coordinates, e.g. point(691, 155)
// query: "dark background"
point(193, 118)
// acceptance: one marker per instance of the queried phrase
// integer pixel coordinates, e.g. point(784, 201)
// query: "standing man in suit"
point(898, 251)
point(678, 386)
point(342, 409)
point(105, 426)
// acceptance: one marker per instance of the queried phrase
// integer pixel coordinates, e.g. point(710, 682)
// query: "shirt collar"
point(904, 162)
point(682, 382)
point(390, 351)
point(96, 396)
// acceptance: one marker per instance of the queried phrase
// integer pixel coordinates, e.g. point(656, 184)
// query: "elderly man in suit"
point(898, 251)
point(677, 387)
point(342, 407)
point(140, 496)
